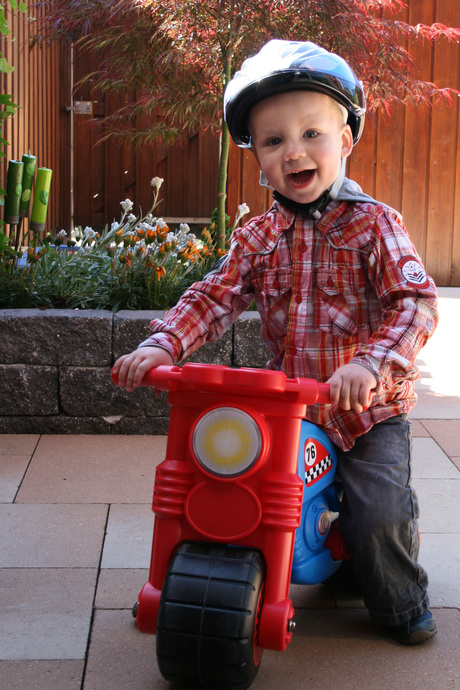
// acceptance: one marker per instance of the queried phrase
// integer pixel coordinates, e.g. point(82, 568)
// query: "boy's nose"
point(294, 150)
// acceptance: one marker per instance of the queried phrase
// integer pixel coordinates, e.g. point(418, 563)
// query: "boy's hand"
point(132, 368)
point(351, 387)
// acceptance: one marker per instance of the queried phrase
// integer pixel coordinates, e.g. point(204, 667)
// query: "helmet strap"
point(263, 180)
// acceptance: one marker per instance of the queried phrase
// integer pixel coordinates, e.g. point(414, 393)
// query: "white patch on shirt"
point(413, 272)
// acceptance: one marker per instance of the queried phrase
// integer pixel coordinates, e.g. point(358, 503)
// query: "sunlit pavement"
point(75, 542)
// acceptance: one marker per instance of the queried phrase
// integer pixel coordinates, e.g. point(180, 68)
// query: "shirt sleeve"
point(206, 309)
point(408, 298)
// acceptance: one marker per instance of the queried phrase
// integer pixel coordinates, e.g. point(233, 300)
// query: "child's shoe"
point(417, 630)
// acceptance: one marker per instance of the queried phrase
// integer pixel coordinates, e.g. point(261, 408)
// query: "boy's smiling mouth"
point(300, 178)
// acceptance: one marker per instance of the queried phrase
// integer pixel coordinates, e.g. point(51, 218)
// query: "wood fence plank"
point(444, 139)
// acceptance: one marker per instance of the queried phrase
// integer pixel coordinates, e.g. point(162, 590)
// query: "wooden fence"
point(409, 160)
point(40, 85)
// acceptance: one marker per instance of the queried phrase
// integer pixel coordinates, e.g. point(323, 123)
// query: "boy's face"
point(299, 140)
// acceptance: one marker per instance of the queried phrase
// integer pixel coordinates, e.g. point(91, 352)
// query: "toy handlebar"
point(244, 382)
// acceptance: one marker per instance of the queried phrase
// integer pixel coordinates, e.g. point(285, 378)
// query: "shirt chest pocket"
point(273, 290)
point(342, 296)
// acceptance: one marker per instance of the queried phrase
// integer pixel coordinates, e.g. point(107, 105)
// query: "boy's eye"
point(274, 141)
point(311, 134)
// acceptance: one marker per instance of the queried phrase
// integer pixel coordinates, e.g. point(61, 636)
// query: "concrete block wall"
point(55, 370)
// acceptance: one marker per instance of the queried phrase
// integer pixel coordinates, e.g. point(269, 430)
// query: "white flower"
point(126, 205)
point(146, 226)
point(161, 223)
point(242, 210)
point(156, 182)
point(114, 227)
point(62, 233)
point(88, 233)
point(132, 217)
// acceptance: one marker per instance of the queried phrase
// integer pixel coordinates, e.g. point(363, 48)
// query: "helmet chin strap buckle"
point(263, 180)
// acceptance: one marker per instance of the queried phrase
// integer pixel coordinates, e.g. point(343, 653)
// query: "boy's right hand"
point(131, 369)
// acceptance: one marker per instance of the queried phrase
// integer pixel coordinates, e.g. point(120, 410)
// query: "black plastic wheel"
point(207, 629)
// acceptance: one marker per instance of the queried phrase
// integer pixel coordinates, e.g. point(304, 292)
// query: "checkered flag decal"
point(317, 470)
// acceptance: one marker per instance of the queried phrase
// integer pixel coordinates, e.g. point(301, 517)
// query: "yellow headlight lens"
point(227, 441)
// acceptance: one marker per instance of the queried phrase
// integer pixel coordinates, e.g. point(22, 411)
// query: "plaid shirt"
point(349, 287)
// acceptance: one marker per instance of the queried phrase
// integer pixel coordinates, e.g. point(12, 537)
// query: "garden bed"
point(55, 370)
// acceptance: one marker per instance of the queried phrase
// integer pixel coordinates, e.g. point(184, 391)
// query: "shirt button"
point(298, 299)
point(276, 284)
point(303, 247)
point(330, 282)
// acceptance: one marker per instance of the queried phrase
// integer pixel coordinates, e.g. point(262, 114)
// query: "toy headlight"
point(227, 441)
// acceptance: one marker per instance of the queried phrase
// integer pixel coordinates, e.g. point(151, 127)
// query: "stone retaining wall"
point(55, 370)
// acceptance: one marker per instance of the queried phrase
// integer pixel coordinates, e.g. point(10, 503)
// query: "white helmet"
point(289, 66)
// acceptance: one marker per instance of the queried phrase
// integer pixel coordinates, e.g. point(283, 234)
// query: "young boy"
point(343, 297)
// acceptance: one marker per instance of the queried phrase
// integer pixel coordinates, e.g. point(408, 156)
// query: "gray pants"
point(379, 520)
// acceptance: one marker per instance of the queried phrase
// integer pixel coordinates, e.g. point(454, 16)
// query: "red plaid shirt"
point(347, 287)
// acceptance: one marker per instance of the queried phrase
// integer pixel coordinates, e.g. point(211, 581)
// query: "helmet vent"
point(320, 63)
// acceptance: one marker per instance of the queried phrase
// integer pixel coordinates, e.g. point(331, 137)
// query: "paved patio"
point(75, 543)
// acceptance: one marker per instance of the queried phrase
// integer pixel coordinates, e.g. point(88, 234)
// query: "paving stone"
point(446, 433)
point(311, 596)
point(119, 588)
point(128, 543)
point(93, 469)
point(432, 405)
point(12, 469)
point(120, 656)
point(51, 536)
point(37, 675)
point(429, 461)
point(418, 428)
point(343, 649)
point(330, 649)
point(439, 500)
point(440, 556)
point(45, 613)
point(18, 444)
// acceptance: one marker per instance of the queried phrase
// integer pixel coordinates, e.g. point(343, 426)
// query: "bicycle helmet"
point(289, 66)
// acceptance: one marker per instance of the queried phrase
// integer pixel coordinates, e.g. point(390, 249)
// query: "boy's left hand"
point(351, 387)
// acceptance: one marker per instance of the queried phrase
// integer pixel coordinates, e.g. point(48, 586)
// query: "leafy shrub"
point(137, 263)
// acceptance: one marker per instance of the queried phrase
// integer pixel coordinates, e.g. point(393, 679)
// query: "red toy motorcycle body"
point(244, 502)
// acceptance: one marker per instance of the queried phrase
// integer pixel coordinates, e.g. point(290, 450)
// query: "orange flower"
point(161, 271)
point(163, 232)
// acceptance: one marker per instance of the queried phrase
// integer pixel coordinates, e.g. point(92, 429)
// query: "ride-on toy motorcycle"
point(245, 503)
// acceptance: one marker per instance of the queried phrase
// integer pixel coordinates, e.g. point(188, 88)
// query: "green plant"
point(137, 263)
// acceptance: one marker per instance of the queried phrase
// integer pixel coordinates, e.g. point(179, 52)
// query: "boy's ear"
point(347, 141)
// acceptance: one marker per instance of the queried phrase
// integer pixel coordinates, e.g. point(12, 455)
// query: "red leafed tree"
point(174, 57)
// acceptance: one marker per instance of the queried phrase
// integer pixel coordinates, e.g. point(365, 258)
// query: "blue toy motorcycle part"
point(316, 466)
